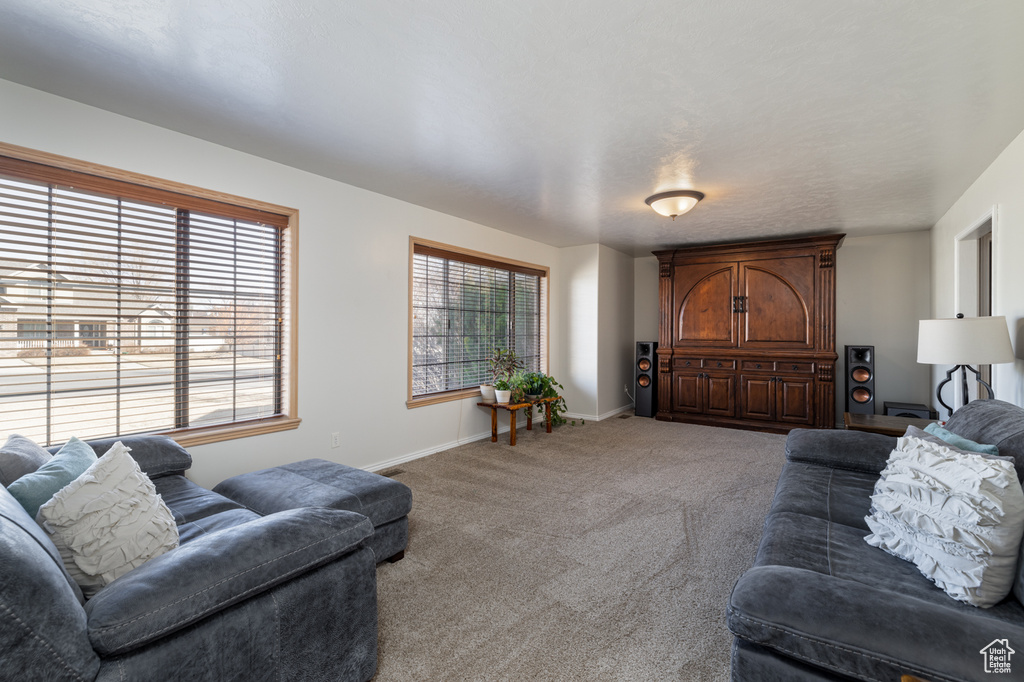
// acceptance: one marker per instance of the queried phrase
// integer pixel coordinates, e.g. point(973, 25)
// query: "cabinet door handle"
point(737, 304)
point(796, 367)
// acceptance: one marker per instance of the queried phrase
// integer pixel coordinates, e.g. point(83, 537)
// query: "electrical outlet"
point(336, 439)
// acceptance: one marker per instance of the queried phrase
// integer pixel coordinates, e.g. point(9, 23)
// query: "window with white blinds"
point(131, 309)
point(464, 305)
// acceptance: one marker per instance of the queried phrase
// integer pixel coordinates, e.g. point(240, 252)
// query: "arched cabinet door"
point(705, 306)
point(778, 303)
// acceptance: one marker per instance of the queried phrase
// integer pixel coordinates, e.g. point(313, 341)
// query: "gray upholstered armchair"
point(290, 595)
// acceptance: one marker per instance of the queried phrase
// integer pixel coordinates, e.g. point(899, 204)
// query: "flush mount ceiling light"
point(676, 202)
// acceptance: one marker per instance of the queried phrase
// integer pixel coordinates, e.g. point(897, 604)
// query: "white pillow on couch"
point(108, 521)
point(958, 516)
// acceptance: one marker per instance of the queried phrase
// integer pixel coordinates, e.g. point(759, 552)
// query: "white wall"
point(614, 331)
point(645, 299)
point(353, 285)
point(579, 268)
point(1000, 189)
point(883, 287)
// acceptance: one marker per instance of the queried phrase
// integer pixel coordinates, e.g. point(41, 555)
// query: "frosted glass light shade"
point(964, 341)
point(676, 202)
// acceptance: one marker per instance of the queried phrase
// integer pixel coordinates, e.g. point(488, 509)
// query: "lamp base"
point(963, 386)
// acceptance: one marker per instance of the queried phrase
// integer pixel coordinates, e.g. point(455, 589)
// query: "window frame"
point(90, 174)
point(490, 260)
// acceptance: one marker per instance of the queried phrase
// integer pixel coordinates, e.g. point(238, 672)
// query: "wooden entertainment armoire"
point(747, 334)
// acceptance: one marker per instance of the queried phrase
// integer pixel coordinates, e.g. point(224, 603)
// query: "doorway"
point(974, 291)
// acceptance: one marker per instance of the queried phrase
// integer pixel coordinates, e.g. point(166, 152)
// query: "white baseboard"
point(402, 459)
point(599, 417)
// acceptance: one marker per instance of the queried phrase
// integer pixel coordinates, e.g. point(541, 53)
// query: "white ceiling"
point(555, 119)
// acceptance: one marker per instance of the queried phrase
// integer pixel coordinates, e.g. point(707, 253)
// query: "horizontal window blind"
point(127, 310)
point(463, 308)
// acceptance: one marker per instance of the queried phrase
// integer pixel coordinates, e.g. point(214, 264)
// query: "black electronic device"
point(860, 379)
point(646, 383)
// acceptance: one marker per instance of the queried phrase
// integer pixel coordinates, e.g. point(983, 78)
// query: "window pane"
point(123, 316)
point(462, 312)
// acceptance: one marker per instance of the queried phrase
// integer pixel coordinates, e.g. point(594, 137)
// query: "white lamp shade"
point(676, 202)
point(964, 341)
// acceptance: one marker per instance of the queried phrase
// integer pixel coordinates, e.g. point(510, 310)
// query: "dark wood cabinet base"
point(730, 422)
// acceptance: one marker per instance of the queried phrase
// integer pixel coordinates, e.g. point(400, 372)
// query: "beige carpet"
point(601, 552)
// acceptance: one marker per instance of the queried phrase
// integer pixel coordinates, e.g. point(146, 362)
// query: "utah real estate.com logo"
point(997, 656)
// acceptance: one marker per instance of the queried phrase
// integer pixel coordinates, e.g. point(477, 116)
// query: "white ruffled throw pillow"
point(957, 516)
point(108, 521)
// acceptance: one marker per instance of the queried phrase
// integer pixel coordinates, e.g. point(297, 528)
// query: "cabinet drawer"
point(795, 367)
point(758, 366)
point(717, 363)
point(685, 363)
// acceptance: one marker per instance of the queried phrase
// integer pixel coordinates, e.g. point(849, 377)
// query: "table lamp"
point(963, 341)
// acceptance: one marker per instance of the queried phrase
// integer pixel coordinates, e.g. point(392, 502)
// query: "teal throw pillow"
point(35, 489)
point(959, 441)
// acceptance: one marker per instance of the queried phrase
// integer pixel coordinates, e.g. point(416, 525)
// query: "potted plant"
point(518, 384)
point(534, 385)
point(502, 391)
point(538, 385)
point(503, 363)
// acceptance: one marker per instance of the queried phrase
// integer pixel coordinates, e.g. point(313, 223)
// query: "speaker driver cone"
point(643, 380)
point(861, 395)
point(644, 364)
point(861, 374)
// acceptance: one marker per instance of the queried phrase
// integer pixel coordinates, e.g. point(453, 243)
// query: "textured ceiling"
point(555, 119)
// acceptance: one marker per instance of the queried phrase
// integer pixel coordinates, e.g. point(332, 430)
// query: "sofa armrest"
point(215, 571)
point(853, 450)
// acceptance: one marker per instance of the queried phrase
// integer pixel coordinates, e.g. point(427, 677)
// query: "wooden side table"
point(883, 424)
point(512, 409)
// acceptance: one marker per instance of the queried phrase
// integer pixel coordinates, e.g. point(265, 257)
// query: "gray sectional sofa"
point(286, 596)
point(821, 604)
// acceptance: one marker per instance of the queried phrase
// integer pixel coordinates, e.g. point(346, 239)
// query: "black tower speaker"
point(646, 379)
point(860, 379)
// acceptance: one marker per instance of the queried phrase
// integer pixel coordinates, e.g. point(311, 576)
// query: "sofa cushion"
point(190, 502)
point(32, 490)
point(320, 483)
point(20, 456)
point(213, 523)
point(850, 450)
point(157, 455)
point(957, 516)
point(108, 521)
point(43, 636)
point(838, 495)
point(993, 421)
